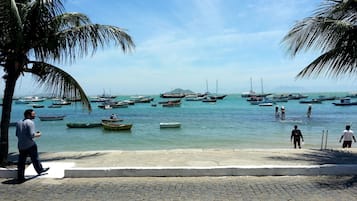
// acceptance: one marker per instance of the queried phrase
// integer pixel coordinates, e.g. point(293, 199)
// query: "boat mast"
point(207, 86)
point(216, 87)
point(251, 85)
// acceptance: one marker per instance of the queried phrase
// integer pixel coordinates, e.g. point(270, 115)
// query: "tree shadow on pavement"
point(320, 157)
point(12, 157)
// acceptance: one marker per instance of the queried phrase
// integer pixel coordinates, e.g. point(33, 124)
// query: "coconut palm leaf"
point(332, 31)
point(340, 58)
point(57, 81)
point(88, 38)
point(40, 30)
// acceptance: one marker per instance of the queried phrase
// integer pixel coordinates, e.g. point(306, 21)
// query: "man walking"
point(296, 135)
point(25, 132)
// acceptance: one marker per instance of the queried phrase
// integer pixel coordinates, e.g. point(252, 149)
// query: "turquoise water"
point(229, 123)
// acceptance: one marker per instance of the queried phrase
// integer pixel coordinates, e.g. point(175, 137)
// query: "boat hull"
point(83, 125)
point(170, 125)
point(345, 104)
point(116, 127)
point(51, 118)
point(111, 120)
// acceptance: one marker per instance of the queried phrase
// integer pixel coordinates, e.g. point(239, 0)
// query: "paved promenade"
point(247, 188)
point(190, 175)
point(199, 162)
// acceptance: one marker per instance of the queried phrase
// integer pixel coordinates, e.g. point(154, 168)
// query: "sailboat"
point(252, 93)
point(207, 98)
point(216, 96)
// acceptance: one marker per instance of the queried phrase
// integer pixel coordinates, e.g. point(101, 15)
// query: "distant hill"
point(180, 91)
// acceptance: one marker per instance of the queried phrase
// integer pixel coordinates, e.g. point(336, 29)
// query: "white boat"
point(29, 99)
point(266, 104)
point(61, 102)
point(107, 107)
point(170, 125)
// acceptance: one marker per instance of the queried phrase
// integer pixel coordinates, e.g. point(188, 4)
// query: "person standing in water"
point(347, 137)
point(296, 135)
point(309, 111)
point(282, 113)
point(277, 114)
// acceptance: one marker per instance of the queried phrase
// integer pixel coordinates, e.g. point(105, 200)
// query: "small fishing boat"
point(345, 102)
point(111, 120)
point(312, 101)
point(266, 104)
point(116, 126)
point(83, 125)
point(209, 100)
point(170, 125)
point(54, 106)
point(51, 118)
point(171, 104)
point(61, 102)
point(38, 106)
point(172, 95)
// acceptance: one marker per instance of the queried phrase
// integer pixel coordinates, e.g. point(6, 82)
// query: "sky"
point(195, 45)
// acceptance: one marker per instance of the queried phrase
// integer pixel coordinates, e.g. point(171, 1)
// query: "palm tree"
point(37, 32)
point(332, 30)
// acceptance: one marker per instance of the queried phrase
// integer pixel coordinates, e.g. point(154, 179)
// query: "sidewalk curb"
point(260, 170)
point(8, 172)
point(263, 170)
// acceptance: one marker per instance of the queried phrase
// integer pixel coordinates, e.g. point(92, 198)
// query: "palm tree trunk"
point(6, 116)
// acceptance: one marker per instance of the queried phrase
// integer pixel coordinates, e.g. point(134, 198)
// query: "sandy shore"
point(202, 157)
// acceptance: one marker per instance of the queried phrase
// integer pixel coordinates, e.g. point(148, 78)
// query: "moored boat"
point(172, 95)
point(61, 102)
point(116, 126)
point(171, 104)
point(54, 106)
point(51, 118)
point(312, 101)
point(218, 97)
point(266, 104)
point(29, 99)
point(111, 120)
point(83, 125)
point(38, 106)
point(170, 125)
point(345, 102)
point(209, 100)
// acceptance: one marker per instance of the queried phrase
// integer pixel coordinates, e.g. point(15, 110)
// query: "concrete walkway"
point(196, 162)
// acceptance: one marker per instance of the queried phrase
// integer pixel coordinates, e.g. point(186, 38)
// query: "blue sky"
point(184, 43)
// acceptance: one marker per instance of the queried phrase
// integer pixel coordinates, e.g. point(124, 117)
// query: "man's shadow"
point(12, 160)
point(13, 181)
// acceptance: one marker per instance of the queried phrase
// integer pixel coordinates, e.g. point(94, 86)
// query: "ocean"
point(231, 123)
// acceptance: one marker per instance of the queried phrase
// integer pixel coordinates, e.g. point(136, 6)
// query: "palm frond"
point(334, 64)
point(333, 31)
point(79, 41)
point(58, 82)
point(68, 20)
point(10, 24)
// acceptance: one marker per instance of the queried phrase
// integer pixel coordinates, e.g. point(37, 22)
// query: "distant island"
point(180, 91)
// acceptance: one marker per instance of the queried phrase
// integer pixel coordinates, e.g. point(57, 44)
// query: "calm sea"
point(229, 123)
